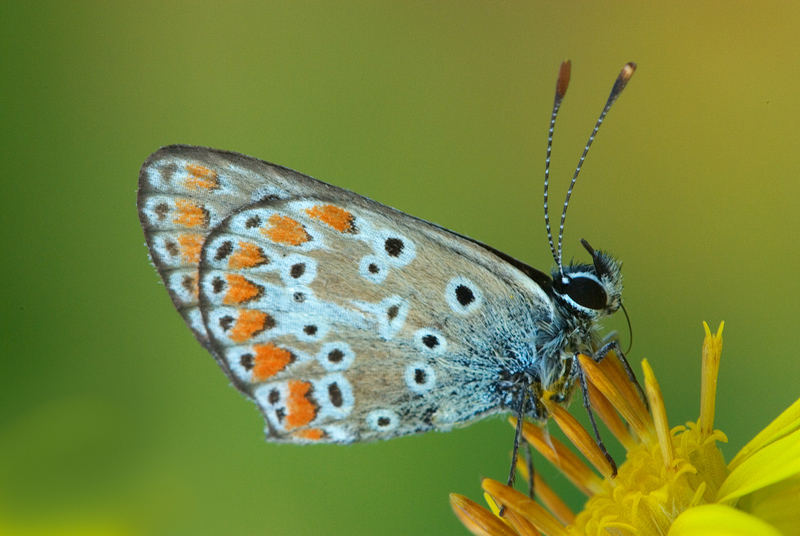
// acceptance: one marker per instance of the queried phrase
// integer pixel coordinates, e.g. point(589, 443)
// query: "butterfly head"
point(591, 290)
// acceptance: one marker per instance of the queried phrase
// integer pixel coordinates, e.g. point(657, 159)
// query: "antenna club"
point(563, 79)
point(627, 71)
point(621, 81)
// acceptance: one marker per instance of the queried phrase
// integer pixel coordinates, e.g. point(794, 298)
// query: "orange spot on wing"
point(285, 230)
point(248, 256)
point(190, 284)
point(240, 290)
point(301, 410)
point(338, 218)
point(312, 434)
point(190, 244)
point(190, 214)
point(250, 322)
point(201, 177)
point(269, 361)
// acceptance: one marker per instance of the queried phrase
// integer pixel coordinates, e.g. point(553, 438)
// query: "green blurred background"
point(113, 420)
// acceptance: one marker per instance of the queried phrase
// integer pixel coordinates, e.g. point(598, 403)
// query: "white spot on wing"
point(425, 336)
point(376, 264)
point(386, 239)
point(271, 409)
point(336, 356)
point(294, 262)
point(463, 296)
point(390, 314)
point(420, 377)
point(264, 193)
point(324, 397)
point(383, 420)
point(337, 434)
point(178, 282)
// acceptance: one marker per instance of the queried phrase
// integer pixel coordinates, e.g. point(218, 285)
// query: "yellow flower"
point(673, 482)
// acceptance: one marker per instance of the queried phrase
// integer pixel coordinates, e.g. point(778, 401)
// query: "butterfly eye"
point(587, 292)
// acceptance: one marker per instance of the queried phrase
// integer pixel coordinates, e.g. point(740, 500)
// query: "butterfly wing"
point(343, 319)
point(184, 192)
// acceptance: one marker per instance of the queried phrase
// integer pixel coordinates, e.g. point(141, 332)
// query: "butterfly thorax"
point(572, 328)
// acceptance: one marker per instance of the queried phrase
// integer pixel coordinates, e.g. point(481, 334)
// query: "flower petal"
point(520, 524)
point(562, 457)
point(719, 520)
point(477, 519)
point(525, 506)
point(579, 437)
point(773, 463)
point(786, 423)
point(546, 495)
point(777, 505)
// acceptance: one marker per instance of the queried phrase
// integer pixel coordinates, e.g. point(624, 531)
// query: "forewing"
point(345, 320)
point(184, 192)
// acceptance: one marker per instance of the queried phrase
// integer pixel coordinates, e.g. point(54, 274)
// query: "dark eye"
point(587, 292)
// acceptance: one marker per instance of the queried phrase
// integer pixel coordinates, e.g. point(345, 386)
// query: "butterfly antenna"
point(561, 89)
point(619, 85)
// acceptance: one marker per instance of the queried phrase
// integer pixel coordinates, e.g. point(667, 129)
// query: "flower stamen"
point(712, 351)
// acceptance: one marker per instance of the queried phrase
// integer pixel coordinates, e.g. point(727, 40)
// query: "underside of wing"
point(343, 319)
point(346, 322)
point(184, 192)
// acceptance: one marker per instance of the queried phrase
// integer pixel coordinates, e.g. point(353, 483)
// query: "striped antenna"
point(619, 85)
point(561, 89)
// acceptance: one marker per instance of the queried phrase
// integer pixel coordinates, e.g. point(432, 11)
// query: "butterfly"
point(346, 320)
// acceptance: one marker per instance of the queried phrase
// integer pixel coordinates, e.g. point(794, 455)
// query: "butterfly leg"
point(614, 346)
point(529, 462)
point(588, 406)
point(517, 438)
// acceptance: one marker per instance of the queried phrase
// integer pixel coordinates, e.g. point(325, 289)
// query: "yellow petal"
point(719, 520)
point(777, 505)
point(786, 423)
point(773, 463)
